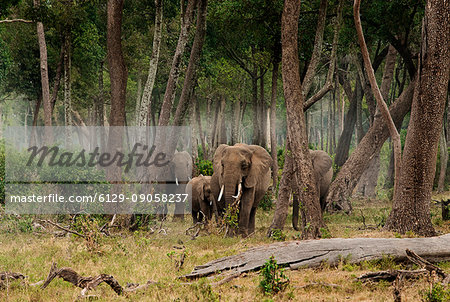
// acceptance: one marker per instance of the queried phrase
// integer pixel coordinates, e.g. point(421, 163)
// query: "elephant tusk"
point(239, 191)
point(220, 194)
point(176, 180)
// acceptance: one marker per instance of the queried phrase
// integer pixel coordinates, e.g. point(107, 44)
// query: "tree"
point(169, 95)
point(118, 78)
point(298, 141)
point(148, 88)
point(411, 207)
point(44, 75)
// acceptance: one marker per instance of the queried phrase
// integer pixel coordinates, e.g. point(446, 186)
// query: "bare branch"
point(16, 20)
point(63, 228)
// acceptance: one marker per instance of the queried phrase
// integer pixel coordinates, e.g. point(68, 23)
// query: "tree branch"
point(16, 20)
point(377, 94)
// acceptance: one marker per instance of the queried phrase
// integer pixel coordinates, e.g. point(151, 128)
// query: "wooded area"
point(261, 84)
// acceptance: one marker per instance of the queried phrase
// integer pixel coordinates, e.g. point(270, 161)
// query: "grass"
point(140, 256)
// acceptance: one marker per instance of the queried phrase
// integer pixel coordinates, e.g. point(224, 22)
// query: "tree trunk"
point(273, 133)
point(200, 130)
point(235, 122)
point(256, 119)
point(321, 126)
point(443, 161)
point(317, 50)
point(148, 88)
point(67, 88)
point(314, 253)
point(44, 78)
point(344, 141)
point(190, 78)
point(137, 106)
point(284, 192)
point(349, 174)
point(222, 134)
point(57, 81)
point(368, 181)
point(262, 111)
point(296, 121)
point(169, 95)
point(118, 79)
point(411, 208)
point(382, 107)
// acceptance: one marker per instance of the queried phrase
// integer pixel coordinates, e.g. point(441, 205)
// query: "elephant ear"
point(321, 162)
point(200, 189)
point(217, 161)
point(261, 162)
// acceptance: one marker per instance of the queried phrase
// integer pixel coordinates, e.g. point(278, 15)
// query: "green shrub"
point(266, 203)
point(273, 279)
point(278, 235)
point(204, 167)
point(438, 293)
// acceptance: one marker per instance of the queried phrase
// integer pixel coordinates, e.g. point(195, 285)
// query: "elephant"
point(241, 172)
point(202, 199)
point(323, 172)
point(179, 172)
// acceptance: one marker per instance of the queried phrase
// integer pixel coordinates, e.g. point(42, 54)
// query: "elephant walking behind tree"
point(241, 176)
point(323, 172)
point(202, 200)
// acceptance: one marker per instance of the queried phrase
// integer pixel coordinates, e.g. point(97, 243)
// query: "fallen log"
point(312, 253)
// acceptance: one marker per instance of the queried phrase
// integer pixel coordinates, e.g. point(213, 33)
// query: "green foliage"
point(273, 279)
point(438, 293)
point(325, 233)
point(204, 167)
point(266, 203)
point(278, 235)
point(231, 216)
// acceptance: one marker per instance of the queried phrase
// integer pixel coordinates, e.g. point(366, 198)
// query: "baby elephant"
point(201, 198)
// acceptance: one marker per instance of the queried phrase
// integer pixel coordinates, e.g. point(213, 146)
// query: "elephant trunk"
point(233, 190)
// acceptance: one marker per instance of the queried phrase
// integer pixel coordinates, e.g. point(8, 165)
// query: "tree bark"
point(349, 174)
point(57, 81)
point(44, 78)
point(411, 207)
point(443, 161)
point(284, 192)
point(190, 78)
point(118, 79)
point(67, 88)
point(317, 50)
point(169, 95)
point(314, 253)
point(153, 67)
point(368, 181)
point(296, 121)
point(382, 107)
point(344, 141)
point(273, 120)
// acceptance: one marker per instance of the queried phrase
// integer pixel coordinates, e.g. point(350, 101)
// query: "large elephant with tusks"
point(241, 177)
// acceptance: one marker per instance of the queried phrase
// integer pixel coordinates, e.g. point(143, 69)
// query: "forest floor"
point(141, 256)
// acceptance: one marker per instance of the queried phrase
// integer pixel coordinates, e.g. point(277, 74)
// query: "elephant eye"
point(244, 164)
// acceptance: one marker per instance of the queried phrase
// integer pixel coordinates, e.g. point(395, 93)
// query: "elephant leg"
point(251, 223)
point(244, 218)
point(295, 210)
point(194, 216)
